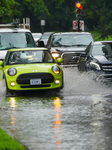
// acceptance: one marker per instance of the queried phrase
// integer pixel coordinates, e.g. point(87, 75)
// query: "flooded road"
point(79, 117)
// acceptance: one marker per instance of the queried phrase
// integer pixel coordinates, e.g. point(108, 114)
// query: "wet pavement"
point(79, 117)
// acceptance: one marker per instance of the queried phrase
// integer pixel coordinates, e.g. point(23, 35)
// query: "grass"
point(8, 143)
point(96, 36)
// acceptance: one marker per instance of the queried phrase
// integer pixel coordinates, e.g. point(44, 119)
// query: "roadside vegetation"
point(97, 36)
point(59, 14)
point(8, 143)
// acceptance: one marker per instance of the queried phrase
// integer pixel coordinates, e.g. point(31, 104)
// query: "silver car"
point(14, 38)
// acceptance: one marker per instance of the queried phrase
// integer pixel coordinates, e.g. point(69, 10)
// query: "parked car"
point(97, 59)
point(45, 36)
point(36, 36)
point(14, 38)
point(31, 69)
point(68, 46)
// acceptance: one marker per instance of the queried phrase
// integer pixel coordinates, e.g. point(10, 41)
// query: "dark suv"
point(69, 46)
point(97, 60)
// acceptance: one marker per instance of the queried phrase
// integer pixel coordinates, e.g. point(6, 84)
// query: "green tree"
point(61, 18)
point(6, 7)
point(98, 15)
point(36, 10)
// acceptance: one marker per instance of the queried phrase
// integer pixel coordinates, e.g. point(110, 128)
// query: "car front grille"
point(70, 58)
point(36, 86)
point(25, 78)
point(107, 68)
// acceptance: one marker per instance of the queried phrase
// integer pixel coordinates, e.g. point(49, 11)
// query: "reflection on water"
point(13, 105)
point(98, 115)
point(57, 123)
point(80, 105)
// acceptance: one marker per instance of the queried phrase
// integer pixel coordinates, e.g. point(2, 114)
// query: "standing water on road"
point(77, 118)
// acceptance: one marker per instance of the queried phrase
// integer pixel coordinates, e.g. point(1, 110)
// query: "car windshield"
point(15, 40)
point(29, 57)
point(104, 50)
point(72, 40)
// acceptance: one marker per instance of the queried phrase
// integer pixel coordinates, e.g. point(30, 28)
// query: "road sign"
point(75, 25)
point(42, 22)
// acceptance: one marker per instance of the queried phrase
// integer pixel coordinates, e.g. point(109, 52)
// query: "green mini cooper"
point(31, 69)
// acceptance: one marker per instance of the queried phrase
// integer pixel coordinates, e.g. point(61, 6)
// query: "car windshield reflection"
point(71, 40)
point(15, 40)
point(104, 50)
point(29, 57)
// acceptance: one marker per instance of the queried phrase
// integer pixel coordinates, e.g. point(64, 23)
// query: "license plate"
point(35, 81)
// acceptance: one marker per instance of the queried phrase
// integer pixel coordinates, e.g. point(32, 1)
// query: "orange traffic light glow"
point(78, 5)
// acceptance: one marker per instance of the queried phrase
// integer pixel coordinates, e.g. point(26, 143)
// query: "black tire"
point(7, 89)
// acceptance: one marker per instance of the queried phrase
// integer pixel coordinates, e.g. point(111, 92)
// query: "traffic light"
point(78, 11)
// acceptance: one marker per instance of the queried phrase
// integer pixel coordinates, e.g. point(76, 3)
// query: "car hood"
point(69, 49)
point(103, 59)
point(31, 68)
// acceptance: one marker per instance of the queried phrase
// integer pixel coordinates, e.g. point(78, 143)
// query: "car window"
point(101, 50)
point(71, 40)
point(11, 40)
point(26, 57)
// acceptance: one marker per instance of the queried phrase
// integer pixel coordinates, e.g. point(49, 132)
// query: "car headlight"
point(12, 72)
point(55, 55)
point(95, 66)
point(56, 69)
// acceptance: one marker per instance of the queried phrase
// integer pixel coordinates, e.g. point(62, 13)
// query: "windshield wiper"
point(7, 48)
point(62, 45)
point(14, 47)
point(79, 45)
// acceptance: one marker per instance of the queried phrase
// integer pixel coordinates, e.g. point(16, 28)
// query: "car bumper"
point(43, 86)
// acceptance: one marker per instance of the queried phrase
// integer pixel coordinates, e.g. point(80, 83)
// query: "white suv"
point(14, 38)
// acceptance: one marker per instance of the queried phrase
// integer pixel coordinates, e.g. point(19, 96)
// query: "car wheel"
point(7, 89)
point(58, 89)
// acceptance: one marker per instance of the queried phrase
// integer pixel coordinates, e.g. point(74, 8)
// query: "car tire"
point(7, 89)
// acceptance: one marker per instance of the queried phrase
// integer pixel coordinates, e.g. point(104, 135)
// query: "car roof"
point(65, 33)
point(27, 49)
point(101, 42)
point(47, 33)
point(36, 33)
point(14, 30)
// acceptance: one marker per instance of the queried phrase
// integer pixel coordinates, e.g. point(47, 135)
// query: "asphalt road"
point(79, 117)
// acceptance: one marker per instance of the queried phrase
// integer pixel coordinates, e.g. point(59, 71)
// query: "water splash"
point(75, 82)
point(2, 88)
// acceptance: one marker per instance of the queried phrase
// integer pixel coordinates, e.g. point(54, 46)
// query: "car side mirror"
point(59, 60)
point(41, 44)
point(1, 63)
